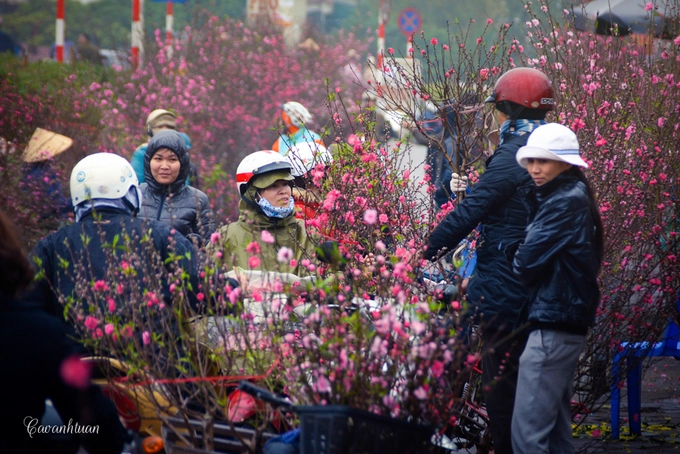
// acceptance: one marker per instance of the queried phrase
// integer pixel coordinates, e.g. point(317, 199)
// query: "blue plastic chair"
point(634, 354)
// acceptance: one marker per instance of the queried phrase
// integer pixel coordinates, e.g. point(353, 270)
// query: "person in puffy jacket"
point(166, 197)
point(106, 197)
point(559, 261)
point(522, 98)
point(267, 235)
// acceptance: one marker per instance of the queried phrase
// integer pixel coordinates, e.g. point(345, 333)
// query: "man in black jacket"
point(522, 98)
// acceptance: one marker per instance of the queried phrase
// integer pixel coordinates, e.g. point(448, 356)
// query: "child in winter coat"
point(559, 262)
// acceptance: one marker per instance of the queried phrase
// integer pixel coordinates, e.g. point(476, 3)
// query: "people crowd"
point(534, 286)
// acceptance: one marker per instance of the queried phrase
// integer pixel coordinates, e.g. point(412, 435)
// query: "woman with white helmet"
point(296, 119)
point(264, 181)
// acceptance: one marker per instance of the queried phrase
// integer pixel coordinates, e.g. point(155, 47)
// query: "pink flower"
point(331, 197)
point(108, 329)
point(434, 41)
point(146, 338)
point(100, 286)
point(284, 255)
point(383, 218)
point(472, 359)
point(420, 393)
point(484, 73)
point(126, 331)
point(649, 6)
point(267, 237)
point(390, 51)
point(321, 384)
point(234, 295)
point(253, 262)
point(370, 216)
point(91, 322)
point(152, 299)
point(437, 368)
point(445, 46)
point(111, 305)
point(75, 372)
point(253, 248)
point(676, 41)
point(489, 21)
point(215, 237)
point(200, 296)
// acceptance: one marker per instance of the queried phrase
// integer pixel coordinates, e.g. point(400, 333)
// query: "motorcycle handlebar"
point(263, 394)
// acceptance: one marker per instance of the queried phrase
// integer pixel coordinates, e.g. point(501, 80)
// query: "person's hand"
point(458, 183)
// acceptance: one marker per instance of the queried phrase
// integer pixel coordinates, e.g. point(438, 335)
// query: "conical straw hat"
point(45, 145)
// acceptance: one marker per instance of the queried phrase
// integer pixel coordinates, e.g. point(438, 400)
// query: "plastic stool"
point(634, 353)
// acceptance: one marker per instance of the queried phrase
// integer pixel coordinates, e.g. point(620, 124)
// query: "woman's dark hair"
point(594, 214)
point(16, 272)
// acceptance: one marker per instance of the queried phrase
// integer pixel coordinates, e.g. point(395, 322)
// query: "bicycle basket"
point(338, 429)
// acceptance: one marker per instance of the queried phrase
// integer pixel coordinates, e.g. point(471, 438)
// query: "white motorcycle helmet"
point(259, 163)
point(304, 156)
point(299, 115)
point(102, 176)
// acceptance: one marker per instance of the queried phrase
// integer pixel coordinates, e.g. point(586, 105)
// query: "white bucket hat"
point(551, 141)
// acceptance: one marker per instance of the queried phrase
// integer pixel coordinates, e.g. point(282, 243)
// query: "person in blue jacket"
point(559, 261)
point(438, 129)
point(522, 98)
point(157, 120)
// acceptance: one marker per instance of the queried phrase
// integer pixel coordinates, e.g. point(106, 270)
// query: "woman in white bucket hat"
point(558, 261)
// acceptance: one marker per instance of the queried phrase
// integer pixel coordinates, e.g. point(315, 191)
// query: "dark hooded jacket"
point(499, 202)
point(183, 207)
point(558, 260)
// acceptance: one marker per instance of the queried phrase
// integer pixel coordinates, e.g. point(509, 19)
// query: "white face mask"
point(271, 211)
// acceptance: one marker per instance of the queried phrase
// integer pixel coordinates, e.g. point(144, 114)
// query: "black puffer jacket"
point(558, 258)
point(183, 207)
point(498, 202)
point(67, 245)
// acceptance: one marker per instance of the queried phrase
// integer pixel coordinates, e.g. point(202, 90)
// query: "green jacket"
point(289, 232)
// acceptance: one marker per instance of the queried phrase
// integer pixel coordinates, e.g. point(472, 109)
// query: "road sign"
point(409, 21)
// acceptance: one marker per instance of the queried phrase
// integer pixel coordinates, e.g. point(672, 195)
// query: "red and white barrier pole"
point(169, 19)
point(59, 39)
point(381, 35)
point(137, 32)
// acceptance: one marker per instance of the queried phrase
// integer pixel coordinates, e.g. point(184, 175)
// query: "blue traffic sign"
point(409, 21)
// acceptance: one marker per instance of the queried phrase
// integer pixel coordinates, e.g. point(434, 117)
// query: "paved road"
point(412, 157)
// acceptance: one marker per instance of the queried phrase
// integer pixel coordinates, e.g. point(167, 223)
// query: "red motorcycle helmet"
point(527, 87)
